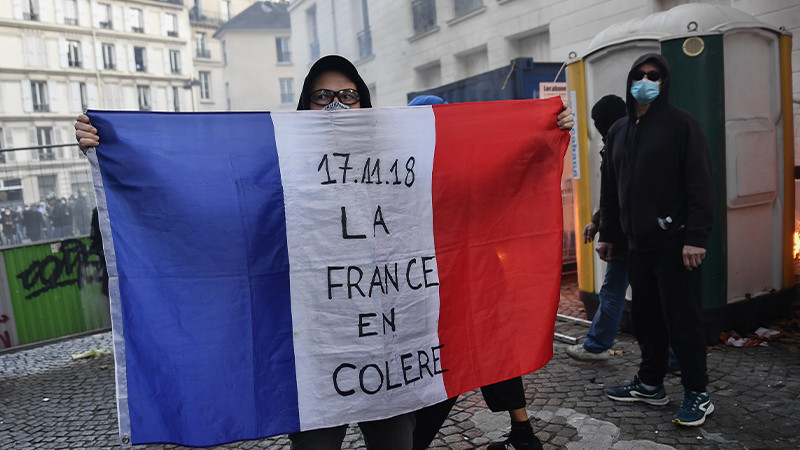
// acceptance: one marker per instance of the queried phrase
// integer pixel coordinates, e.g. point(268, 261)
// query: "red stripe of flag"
point(498, 232)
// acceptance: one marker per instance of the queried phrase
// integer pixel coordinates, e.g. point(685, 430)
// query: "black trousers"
point(666, 310)
point(502, 396)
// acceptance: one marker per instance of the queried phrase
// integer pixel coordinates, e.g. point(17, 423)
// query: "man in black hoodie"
point(657, 190)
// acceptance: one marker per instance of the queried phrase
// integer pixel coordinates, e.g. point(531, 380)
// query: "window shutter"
point(164, 28)
point(80, 7)
point(155, 98)
point(27, 97)
point(146, 20)
point(18, 9)
point(75, 96)
point(91, 92)
point(59, 9)
point(57, 138)
point(116, 21)
point(98, 54)
point(52, 91)
point(151, 58)
point(62, 52)
point(95, 16)
point(131, 59)
point(167, 69)
point(86, 56)
point(44, 12)
point(170, 99)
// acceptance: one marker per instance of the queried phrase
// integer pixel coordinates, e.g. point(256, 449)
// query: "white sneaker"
point(577, 351)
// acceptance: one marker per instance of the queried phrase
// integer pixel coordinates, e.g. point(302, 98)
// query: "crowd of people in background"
point(50, 218)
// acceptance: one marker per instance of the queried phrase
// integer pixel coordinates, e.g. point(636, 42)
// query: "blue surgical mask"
point(335, 106)
point(645, 91)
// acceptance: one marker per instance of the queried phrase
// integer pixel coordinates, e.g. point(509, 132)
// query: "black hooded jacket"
point(656, 184)
point(334, 63)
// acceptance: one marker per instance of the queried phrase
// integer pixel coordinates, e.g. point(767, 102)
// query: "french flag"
point(285, 271)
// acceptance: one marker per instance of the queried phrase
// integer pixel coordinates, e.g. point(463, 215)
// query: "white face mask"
point(335, 106)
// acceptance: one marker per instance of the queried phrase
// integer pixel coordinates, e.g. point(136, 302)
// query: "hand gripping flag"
point(277, 272)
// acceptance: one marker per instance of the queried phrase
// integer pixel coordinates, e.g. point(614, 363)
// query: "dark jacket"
point(656, 184)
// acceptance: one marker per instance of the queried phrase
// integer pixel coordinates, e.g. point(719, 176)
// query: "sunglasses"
point(324, 97)
point(653, 75)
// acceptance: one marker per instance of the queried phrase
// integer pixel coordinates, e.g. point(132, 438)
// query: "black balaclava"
point(606, 111)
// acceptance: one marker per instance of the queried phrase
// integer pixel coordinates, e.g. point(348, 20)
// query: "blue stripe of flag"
point(200, 240)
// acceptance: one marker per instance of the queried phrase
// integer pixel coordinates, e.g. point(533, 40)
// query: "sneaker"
point(694, 409)
point(579, 352)
point(636, 392)
point(515, 444)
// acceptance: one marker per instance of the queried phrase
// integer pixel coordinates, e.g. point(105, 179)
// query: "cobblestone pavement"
point(47, 400)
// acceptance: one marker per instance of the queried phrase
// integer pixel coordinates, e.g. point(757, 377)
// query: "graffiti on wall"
point(4, 337)
point(74, 264)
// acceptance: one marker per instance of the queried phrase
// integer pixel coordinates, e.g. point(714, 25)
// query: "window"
point(73, 53)
point(176, 98)
point(84, 96)
point(47, 183)
point(70, 12)
point(104, 15)
point(287, 91)
point(205, 85)
point(109, 60)
point(2, 154)
point(44, 137)
point(224, 53)
point(472, 63)
point(428, 76)
point(464, 7)
point(200, 42)
point(424, 12)
point(284, 50)
point(172, 25)
point(11, 189)
point(35, 51)
point(175, 61)
point(226, 10)
point(30, 9)
point(39, 96)
point(139, 58)
point(81, 181)
point(313, 36)
point(137, 20)
point(143, 92)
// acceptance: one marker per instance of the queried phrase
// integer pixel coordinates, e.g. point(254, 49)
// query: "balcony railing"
point(171, 33)
point(41, 107)
point(203, 53)
point(70, 21)
point(137, 29)
point(107, 25)
point(201, 17)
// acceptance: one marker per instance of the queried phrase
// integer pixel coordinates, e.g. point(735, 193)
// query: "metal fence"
point(45, 194)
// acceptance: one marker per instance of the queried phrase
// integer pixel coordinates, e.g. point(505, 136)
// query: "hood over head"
point(663, 94)
point(606, 111)
point(334, 63)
